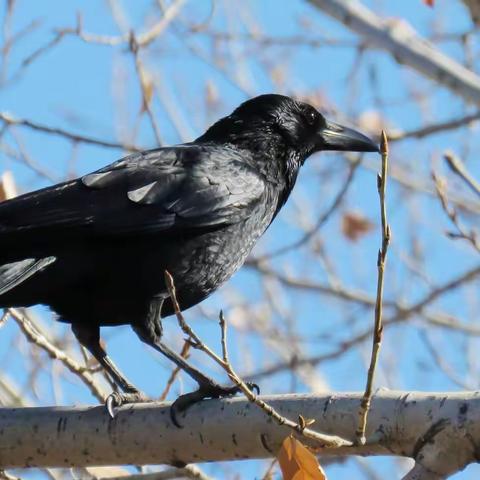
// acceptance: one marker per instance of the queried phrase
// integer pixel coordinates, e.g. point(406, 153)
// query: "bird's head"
point(282, 132)
point(294, 125)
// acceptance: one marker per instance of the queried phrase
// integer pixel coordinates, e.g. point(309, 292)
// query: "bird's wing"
point(166, 190)
point(12, 274)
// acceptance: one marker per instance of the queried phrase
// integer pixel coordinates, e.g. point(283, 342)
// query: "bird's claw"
point(112, 401)
point(213, 390)
point(253, 387)
point(116, 399)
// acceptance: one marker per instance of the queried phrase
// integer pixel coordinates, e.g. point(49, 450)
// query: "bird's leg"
point(89, 337)
point(151, 333)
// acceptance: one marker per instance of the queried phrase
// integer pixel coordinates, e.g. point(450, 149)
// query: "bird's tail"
point(13, 274)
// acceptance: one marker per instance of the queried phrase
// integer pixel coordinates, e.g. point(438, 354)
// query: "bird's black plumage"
point(95, 249)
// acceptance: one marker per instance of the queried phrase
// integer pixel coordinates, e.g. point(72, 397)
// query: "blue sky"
point(93, 90)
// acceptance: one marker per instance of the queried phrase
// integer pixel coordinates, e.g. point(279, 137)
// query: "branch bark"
point(407, 47)
point(440, 431)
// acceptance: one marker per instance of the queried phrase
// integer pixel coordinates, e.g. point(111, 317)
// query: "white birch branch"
point(407, 47)
point(440, 431)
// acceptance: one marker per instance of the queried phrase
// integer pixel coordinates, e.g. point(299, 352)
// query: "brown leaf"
point(355, 225)
point(7, 186)
point(297, 463)
point(429, 2)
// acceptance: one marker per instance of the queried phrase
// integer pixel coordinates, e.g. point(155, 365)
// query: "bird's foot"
point(207, 390)
point(116, 399)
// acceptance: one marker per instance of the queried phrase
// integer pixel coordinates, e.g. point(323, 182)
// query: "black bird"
point(95, 249)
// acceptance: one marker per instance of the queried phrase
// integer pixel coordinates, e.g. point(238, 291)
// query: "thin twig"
point(442, 364)
point(146, 87)
point(402, 311)
point(378, 329)
point(337, 201)
point(452, 214)
point(439, 320)
point(223, 329)
point(12, 393)
point(434, 128)
point(458, 167)
point(189, 471)
point(143, 39)
point(4, 317)
point(33, 335)
point(4, 475)
point(170, 13)
point(20, 155)
point(10, 120)
point(407, 47)
point(268, 475)
point(183, 353)
point(407, 179)
point(328, 441)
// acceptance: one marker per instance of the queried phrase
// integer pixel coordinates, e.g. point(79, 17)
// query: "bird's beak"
point(337, 137)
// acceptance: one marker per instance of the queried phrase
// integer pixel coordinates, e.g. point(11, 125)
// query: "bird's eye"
point(311, 117)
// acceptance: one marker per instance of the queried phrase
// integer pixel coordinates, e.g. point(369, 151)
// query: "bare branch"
point(337, 201)
point(146, 87)
point(451, 213)
point(328, 441)
point(183, 353)
point(416, 425)
point(189, 471)
point(434, 128)
point(381, 261)
point(458, 167)
point(408, 48)
point(36, 337)
point(10, 120)
point(6, 476)
point(170, 13)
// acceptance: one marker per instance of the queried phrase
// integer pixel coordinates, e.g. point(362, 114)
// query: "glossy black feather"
point(195, 210)
point(170, 190)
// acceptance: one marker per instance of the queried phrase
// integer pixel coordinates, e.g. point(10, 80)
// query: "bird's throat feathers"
point(270, 152)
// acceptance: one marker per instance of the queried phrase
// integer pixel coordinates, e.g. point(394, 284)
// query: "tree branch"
point(407, 47)
point(10, 120)
point(439, 430)
point(33, 335)
point(381, 261)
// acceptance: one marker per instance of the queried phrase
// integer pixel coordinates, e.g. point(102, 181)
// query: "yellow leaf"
point(297, 463)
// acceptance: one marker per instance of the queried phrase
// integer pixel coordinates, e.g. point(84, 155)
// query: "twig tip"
point(383, 143)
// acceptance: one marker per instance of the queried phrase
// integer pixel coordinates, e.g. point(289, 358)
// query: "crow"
point(95, 249)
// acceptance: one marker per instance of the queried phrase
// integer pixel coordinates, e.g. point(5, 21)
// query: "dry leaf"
point(297, 463)
point(355, 225)
point(7, 186)
point(429, 2)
